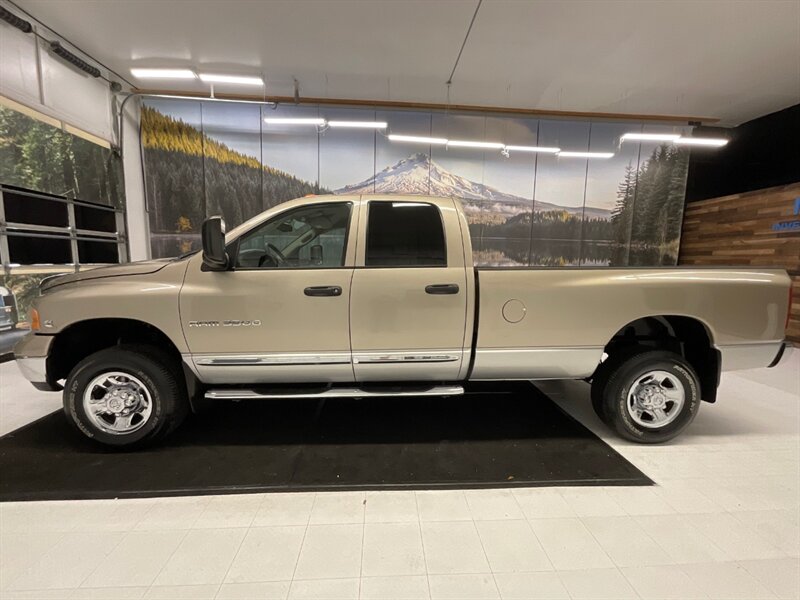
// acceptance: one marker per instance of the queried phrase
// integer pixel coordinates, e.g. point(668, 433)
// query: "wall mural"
point(207, 158)
point(39, 156)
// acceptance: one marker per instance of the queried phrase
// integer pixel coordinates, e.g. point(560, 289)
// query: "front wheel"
point(125, 396)
point(649, 397)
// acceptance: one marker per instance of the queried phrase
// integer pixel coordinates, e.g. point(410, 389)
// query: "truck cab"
point(338, 289)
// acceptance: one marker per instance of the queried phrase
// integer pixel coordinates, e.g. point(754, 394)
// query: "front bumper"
point(31, 353)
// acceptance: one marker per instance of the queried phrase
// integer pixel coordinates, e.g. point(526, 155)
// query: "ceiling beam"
point(500, 110)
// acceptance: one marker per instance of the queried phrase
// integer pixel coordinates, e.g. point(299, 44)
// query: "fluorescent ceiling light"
point(238, 79)
point(650, 137)
point(417, 139)
point(693, 141)
point(586, 154)
point(163, 73)
point(469, 144)
point(360, 124)
point(533, 149)
point(294, 121)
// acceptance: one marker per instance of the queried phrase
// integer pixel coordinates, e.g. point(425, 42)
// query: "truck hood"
point(144, 267)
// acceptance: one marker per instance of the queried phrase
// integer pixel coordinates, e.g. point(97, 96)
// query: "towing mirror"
point(215, 258)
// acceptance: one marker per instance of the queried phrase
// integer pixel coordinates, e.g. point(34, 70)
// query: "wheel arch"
point(688, 336)
point(80, 339)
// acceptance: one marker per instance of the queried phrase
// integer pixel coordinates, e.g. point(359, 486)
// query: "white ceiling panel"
point(729, 59)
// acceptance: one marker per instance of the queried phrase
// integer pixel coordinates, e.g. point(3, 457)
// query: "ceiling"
point(726, 59)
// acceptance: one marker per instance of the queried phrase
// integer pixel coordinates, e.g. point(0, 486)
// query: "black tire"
point(604, 371)
point(599, 382)
point(154, 368)
point(623, 374)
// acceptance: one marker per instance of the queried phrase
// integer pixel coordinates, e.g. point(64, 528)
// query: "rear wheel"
point(649, 396)
point(125, 396)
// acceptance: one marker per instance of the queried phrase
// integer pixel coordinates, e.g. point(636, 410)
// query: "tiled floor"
point(723, 522)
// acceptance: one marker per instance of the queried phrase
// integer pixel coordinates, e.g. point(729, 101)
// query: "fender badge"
point(226, 323)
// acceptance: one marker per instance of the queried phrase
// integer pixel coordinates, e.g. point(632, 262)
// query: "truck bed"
point(555, 323)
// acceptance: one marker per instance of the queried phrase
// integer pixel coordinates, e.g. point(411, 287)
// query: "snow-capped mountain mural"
point(420, 175)
point(219, 159)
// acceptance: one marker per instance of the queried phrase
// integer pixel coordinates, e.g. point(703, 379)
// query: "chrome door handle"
point(323, 290)
point(442, 288)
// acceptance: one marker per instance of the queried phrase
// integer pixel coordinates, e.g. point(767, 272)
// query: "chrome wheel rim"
point(117, 403)
point(655, 399)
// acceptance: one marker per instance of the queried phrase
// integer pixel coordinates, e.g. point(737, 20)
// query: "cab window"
point(405, 234)
point(308, 237)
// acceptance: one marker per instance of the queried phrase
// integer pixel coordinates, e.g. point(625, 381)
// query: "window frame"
point(366, 237)
point(233, 247)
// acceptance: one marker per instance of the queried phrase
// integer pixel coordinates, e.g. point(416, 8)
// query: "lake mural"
point(205, 158)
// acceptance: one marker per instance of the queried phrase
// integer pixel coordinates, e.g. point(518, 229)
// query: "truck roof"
point(322, 198)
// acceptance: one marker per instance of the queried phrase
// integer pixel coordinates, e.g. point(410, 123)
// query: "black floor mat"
point(495, 436)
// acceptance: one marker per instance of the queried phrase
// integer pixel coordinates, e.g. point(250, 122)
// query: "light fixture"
point(294, 121)
point(693, 141)
point(163, 73)
point(586, 154)
point(650, 137)
point(471, 144)
point(417, 139)
point(359, 124)
point(236, 79)
point(546, 149)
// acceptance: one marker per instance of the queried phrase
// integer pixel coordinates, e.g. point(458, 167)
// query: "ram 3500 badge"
point(343, 291)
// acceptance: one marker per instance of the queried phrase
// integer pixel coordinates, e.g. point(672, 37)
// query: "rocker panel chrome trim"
point(249, 360)
point(437, 356)
point(536, 363)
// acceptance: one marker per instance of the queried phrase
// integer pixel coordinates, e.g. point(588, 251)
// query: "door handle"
point(442, 288)
point(323, 290)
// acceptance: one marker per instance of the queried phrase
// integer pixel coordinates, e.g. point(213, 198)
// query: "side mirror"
point(214, 256)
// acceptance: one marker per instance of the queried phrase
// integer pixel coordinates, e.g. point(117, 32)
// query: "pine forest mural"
point(38, 156)
point(205, 158)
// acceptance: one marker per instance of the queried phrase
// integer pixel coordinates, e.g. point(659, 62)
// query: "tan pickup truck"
point(367, 296)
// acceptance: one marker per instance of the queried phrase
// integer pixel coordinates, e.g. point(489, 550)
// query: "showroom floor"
point(723, 522)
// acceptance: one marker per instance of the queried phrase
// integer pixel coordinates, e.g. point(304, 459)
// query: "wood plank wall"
point(738, 230)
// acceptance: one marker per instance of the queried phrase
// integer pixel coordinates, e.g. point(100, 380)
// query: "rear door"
point(409, 293)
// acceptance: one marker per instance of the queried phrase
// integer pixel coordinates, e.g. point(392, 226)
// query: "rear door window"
point(405, 234)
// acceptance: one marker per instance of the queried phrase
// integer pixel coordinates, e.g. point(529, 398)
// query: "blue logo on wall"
point(789, 225)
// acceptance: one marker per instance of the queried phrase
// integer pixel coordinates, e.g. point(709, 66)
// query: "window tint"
point(405, 234)
point(309, 237)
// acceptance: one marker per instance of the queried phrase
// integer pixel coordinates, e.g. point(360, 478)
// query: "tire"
point(138, 390)
point(599, 382)
point(604, 371)
point(650, 396)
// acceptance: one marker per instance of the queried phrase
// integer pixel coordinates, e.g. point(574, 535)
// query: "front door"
point(409, 295)
point(280, 314)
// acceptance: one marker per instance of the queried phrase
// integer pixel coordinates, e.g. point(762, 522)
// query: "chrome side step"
point(341, 392)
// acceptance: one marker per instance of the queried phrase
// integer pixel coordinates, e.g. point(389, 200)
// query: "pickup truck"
point(369, 296)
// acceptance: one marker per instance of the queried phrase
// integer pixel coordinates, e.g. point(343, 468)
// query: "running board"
point(342, 392)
